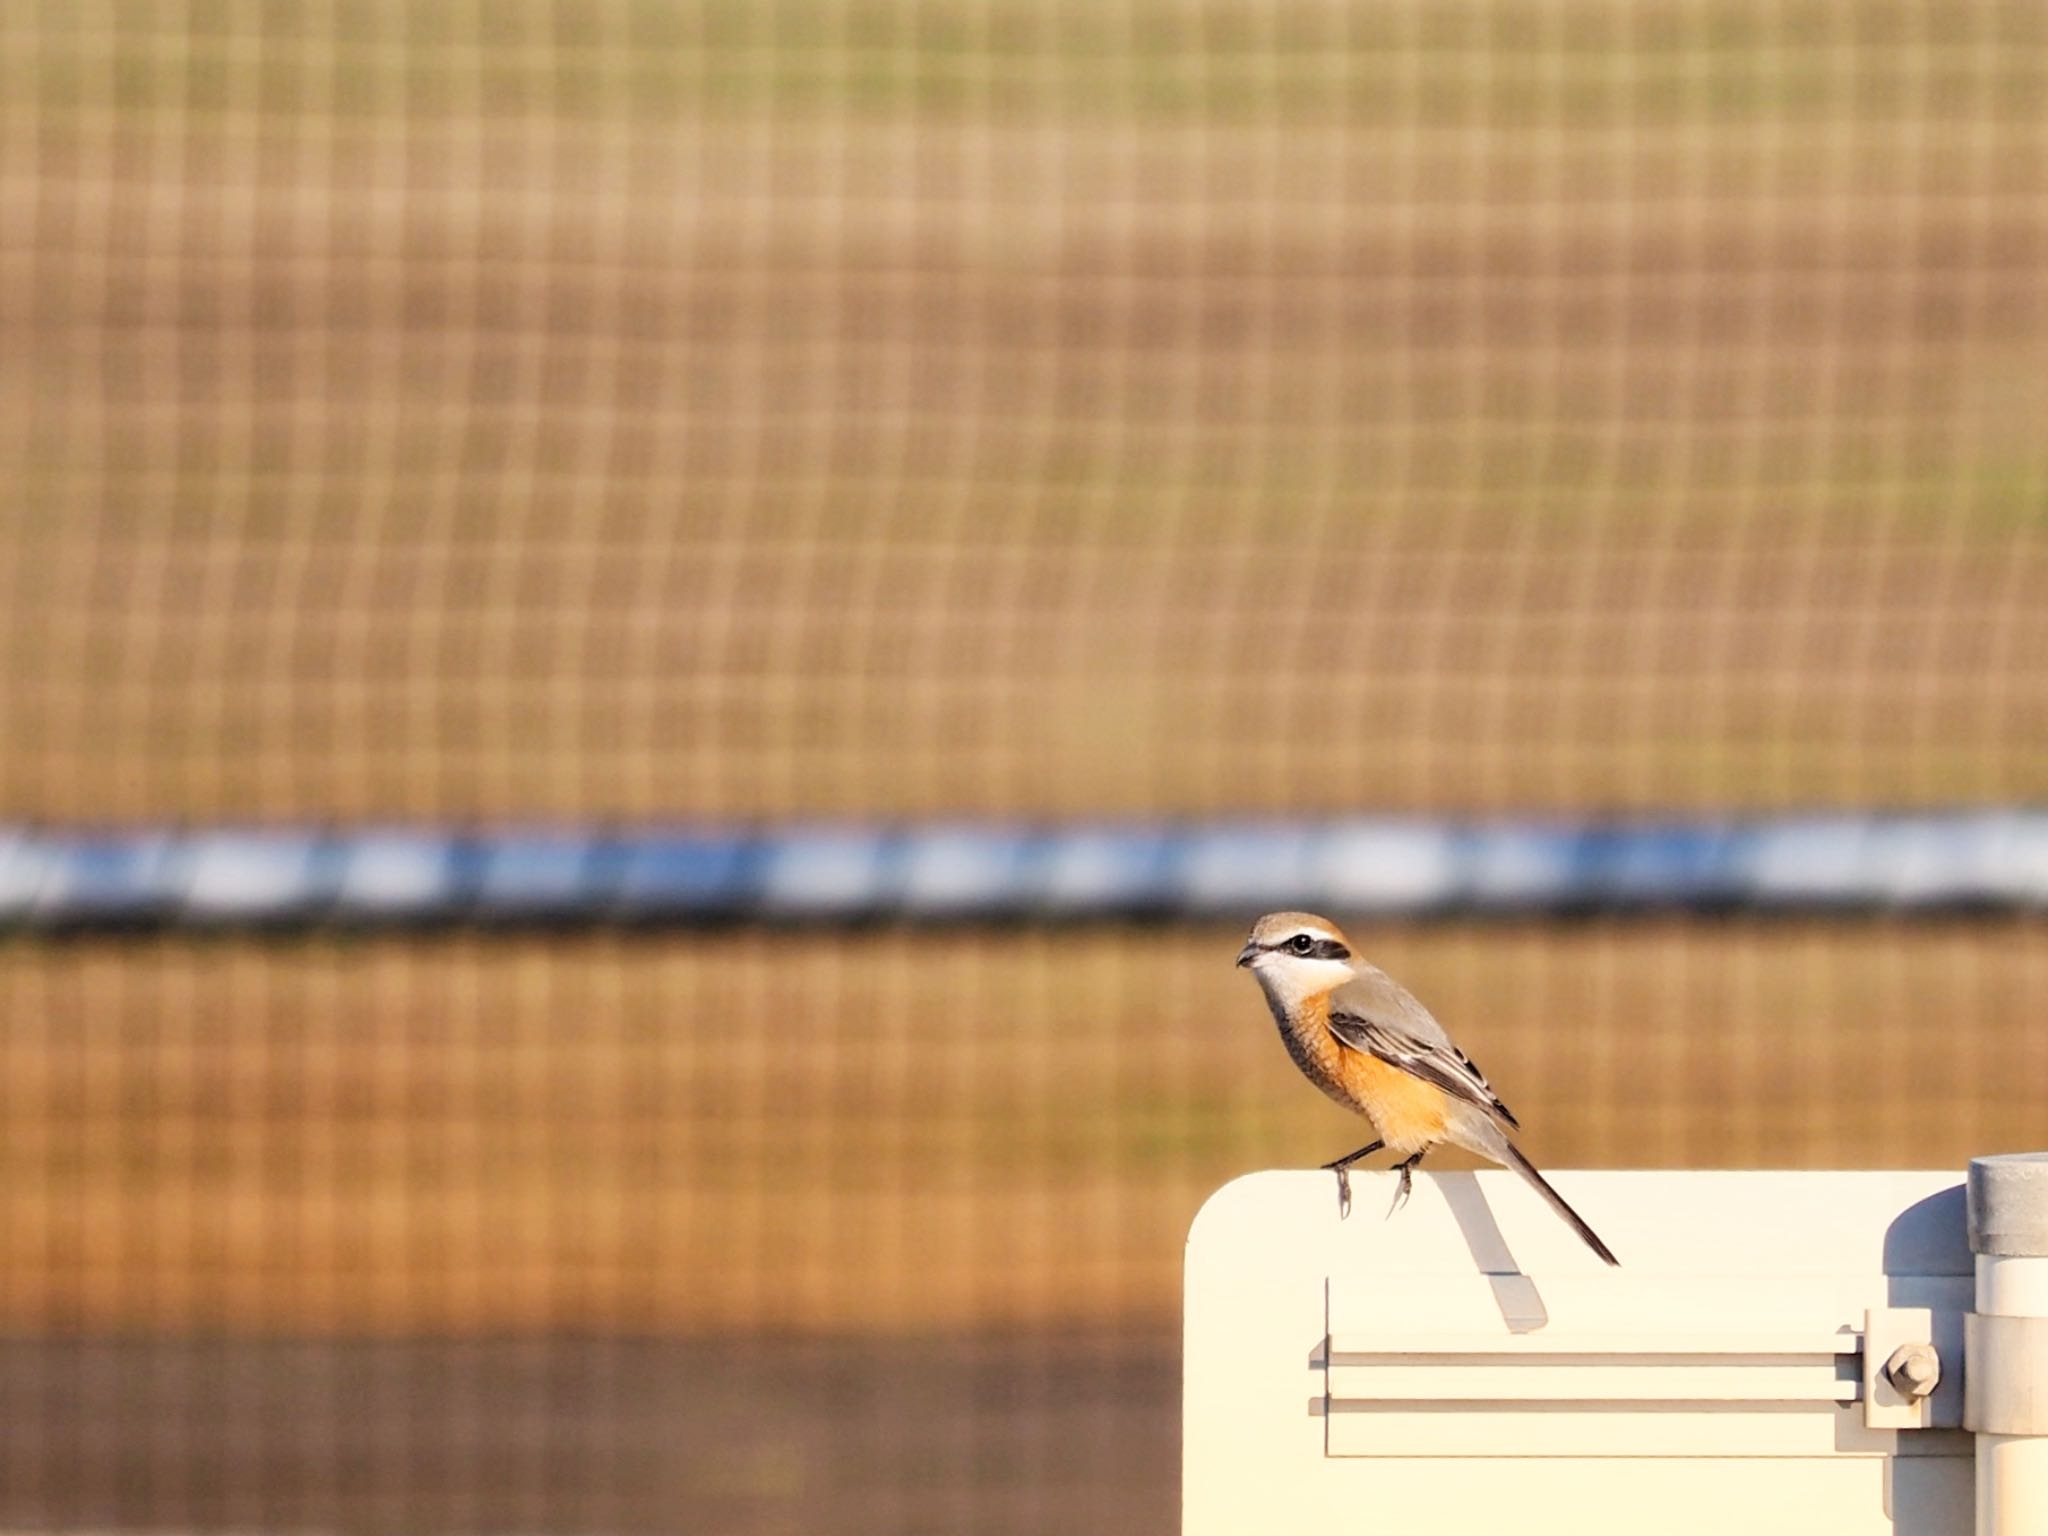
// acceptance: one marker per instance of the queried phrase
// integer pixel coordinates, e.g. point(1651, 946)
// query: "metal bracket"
point(1903, 1369)
point(1912, 1357)
point(2007, 1389)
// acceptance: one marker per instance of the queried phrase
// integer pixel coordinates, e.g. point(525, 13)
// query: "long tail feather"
point(1541, 1185)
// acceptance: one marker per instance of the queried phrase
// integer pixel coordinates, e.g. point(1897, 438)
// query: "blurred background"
point(517, 518)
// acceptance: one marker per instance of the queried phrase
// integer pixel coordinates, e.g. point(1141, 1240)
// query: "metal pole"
point(2006, 1349)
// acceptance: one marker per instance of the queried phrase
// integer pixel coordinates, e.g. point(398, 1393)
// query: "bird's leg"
point(1351, 1157)
point(1342, 1168)
point(1407, 1171)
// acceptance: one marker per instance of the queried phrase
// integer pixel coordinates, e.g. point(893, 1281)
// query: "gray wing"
point(1375, 1014)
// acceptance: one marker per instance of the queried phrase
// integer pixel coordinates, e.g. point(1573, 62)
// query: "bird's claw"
point(1401, 1190)
point(1343, 1192)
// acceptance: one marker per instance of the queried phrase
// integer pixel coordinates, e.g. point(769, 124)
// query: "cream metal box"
point(1466, 1365)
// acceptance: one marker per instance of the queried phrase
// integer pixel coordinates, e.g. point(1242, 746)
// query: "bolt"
point(1914, 1369)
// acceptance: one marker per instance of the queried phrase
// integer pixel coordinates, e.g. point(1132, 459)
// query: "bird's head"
point(1297, 954)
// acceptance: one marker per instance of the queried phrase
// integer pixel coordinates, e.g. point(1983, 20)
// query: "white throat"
point(1289, 980)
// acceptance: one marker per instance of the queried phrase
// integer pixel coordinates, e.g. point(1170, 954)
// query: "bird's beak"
point(1248, 954)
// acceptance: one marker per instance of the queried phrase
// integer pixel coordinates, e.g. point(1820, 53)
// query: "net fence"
point(622, 414)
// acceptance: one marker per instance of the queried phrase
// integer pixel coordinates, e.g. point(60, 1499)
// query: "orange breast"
point(1407, 1113)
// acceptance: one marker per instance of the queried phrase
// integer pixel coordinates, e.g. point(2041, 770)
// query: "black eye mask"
point(1321, 949)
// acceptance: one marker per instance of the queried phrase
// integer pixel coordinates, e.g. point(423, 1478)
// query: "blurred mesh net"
point(619, 411)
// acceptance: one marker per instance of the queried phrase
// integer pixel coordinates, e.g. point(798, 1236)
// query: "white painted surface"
point(1361, 1374)
point(2012, 1469)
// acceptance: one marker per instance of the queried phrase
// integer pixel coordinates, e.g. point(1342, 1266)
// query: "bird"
point(1365, 1040)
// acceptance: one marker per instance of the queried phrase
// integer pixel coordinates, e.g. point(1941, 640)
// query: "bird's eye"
point(1301, 943)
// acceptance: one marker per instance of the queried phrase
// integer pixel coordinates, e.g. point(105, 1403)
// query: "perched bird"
point(1365, 1041)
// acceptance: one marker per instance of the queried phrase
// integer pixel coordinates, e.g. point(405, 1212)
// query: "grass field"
point(413, 428)
point(881, 1231)
point(897, 1132)
point(621, 410)
point(753, 1437)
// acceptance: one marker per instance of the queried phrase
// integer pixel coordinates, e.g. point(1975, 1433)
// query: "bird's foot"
point(1407, 1185)
point(1342, 1168)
